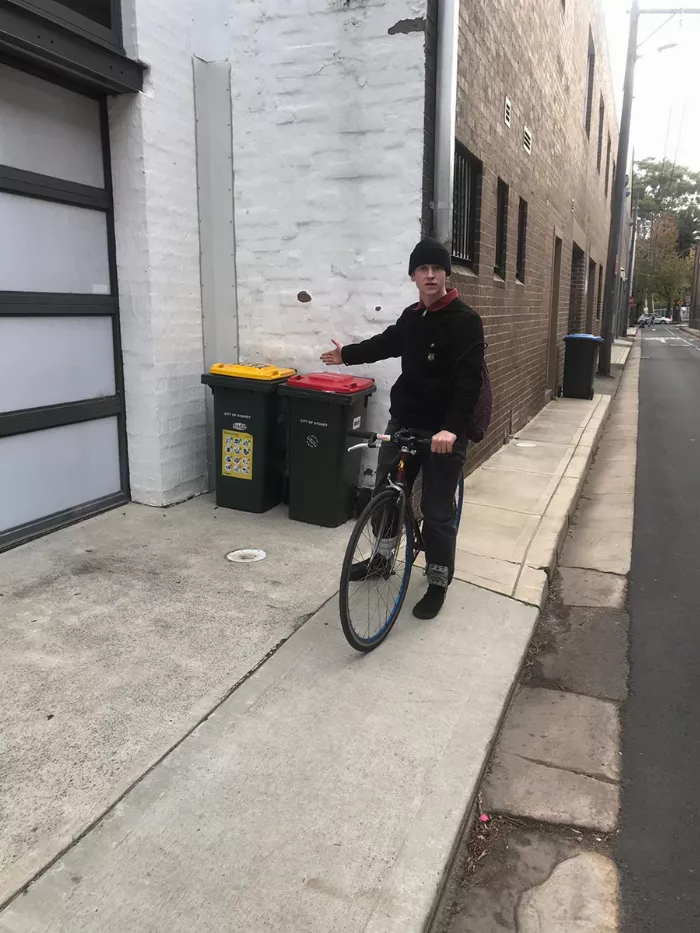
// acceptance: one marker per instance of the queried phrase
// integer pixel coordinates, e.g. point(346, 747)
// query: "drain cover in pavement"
point(245, 555)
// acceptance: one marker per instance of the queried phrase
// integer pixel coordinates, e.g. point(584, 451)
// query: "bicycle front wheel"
point(376, 571)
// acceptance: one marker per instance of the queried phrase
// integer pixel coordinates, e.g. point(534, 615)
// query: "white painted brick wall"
point(328, 149)
point(155, 192)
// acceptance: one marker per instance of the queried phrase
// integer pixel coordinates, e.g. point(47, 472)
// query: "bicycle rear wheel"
point(376, 571)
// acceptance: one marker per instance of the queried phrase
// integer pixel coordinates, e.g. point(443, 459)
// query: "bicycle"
point(385, 542)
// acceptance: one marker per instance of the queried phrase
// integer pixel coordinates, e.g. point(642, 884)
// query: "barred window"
point(522, 241)
point(499, 266)
point(590, 77)
point(465, 206)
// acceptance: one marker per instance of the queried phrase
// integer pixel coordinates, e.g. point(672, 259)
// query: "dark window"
point(465, 207)
point(499, 266)
point(99, 11)
point(590, 76)
point(600, 293)
point(612, 182)
point(93, 19)
point(601, 121)
point(607, 167)
point(522, 241)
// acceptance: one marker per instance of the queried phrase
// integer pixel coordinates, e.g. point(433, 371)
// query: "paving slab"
point(580, 463)
point(523, 788)
point(532, 587)
point(586, 653)
point(603, 536)
point(519, 859)
point(508, 489)
point(117, 636)
point(580, 896)
point(519, 504)
point(565, 500)
point(592, 588)
point(493, 532)
point(500, 576)
point(326, 793)
point(565, 730)
point(547, 542)
point(616, 477)
point(547, 430)
point(611, 449)
point(531, 457)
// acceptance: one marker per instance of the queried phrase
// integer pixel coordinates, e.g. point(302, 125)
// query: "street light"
point(618, 192)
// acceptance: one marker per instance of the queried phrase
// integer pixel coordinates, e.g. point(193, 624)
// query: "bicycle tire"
point(368, 642)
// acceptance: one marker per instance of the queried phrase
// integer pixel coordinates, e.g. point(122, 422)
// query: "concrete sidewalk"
point(543, 863)
point(193, 754)
point(519, 504)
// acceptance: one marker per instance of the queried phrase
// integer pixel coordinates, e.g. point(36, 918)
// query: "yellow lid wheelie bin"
point(250, 434)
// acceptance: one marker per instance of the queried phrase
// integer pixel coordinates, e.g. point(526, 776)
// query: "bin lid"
point(583, 337)
point(264, 372)
point(337, 383)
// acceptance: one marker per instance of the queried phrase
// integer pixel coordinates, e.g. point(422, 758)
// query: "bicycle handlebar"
point(408, 439)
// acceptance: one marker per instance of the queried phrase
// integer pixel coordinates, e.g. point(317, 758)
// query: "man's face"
point(430, 281)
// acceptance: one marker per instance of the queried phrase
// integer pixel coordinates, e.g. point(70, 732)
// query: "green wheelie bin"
point(324, 408)
point(250, 434)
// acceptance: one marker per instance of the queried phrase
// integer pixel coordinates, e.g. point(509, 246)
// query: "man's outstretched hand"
point(333, 357)
point(443, 442)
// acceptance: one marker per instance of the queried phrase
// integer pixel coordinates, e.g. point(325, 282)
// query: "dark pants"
point(441, 473)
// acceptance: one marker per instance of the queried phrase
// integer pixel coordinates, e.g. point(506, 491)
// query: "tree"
point(662, 187)
point(663, 275)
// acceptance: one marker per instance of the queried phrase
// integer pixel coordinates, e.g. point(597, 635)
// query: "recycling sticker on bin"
point(237, 454)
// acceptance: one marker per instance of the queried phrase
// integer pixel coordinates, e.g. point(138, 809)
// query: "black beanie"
point(430, 253)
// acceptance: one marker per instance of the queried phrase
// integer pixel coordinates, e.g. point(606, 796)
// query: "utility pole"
point(618, 192)
point(631, 261)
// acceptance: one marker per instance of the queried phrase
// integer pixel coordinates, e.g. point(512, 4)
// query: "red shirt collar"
point(441, 302)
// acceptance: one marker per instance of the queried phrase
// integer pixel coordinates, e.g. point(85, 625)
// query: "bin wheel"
point(376, 571)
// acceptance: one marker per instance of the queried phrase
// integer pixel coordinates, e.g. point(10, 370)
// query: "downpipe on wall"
point(445, 117)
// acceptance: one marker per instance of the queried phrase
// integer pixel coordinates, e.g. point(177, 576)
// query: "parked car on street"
point(646, 319)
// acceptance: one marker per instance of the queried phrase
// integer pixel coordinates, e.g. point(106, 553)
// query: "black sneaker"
point(368, 569)
point(429, 606)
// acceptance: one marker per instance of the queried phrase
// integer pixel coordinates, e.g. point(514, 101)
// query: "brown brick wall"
point(536, 54)
point(577, 291)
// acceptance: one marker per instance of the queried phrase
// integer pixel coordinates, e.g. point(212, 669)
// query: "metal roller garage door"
point(62, 430)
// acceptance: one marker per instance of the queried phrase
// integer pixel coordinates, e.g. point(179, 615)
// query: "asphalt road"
point(658, 848)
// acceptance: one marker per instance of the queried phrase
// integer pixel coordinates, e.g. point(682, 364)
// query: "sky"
point(666, 111)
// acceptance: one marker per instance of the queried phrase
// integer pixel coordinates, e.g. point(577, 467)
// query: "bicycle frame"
point(406, 505)
point(399, 484)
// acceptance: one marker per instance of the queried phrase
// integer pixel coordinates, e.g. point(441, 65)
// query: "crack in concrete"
point(608, 573)
point(596, 776)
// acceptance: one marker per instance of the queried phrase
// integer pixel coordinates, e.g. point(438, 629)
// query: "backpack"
point(481, 419)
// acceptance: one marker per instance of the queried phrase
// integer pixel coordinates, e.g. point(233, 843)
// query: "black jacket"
point(442, 357)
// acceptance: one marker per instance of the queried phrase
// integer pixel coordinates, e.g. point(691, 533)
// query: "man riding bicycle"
point(441, 344)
